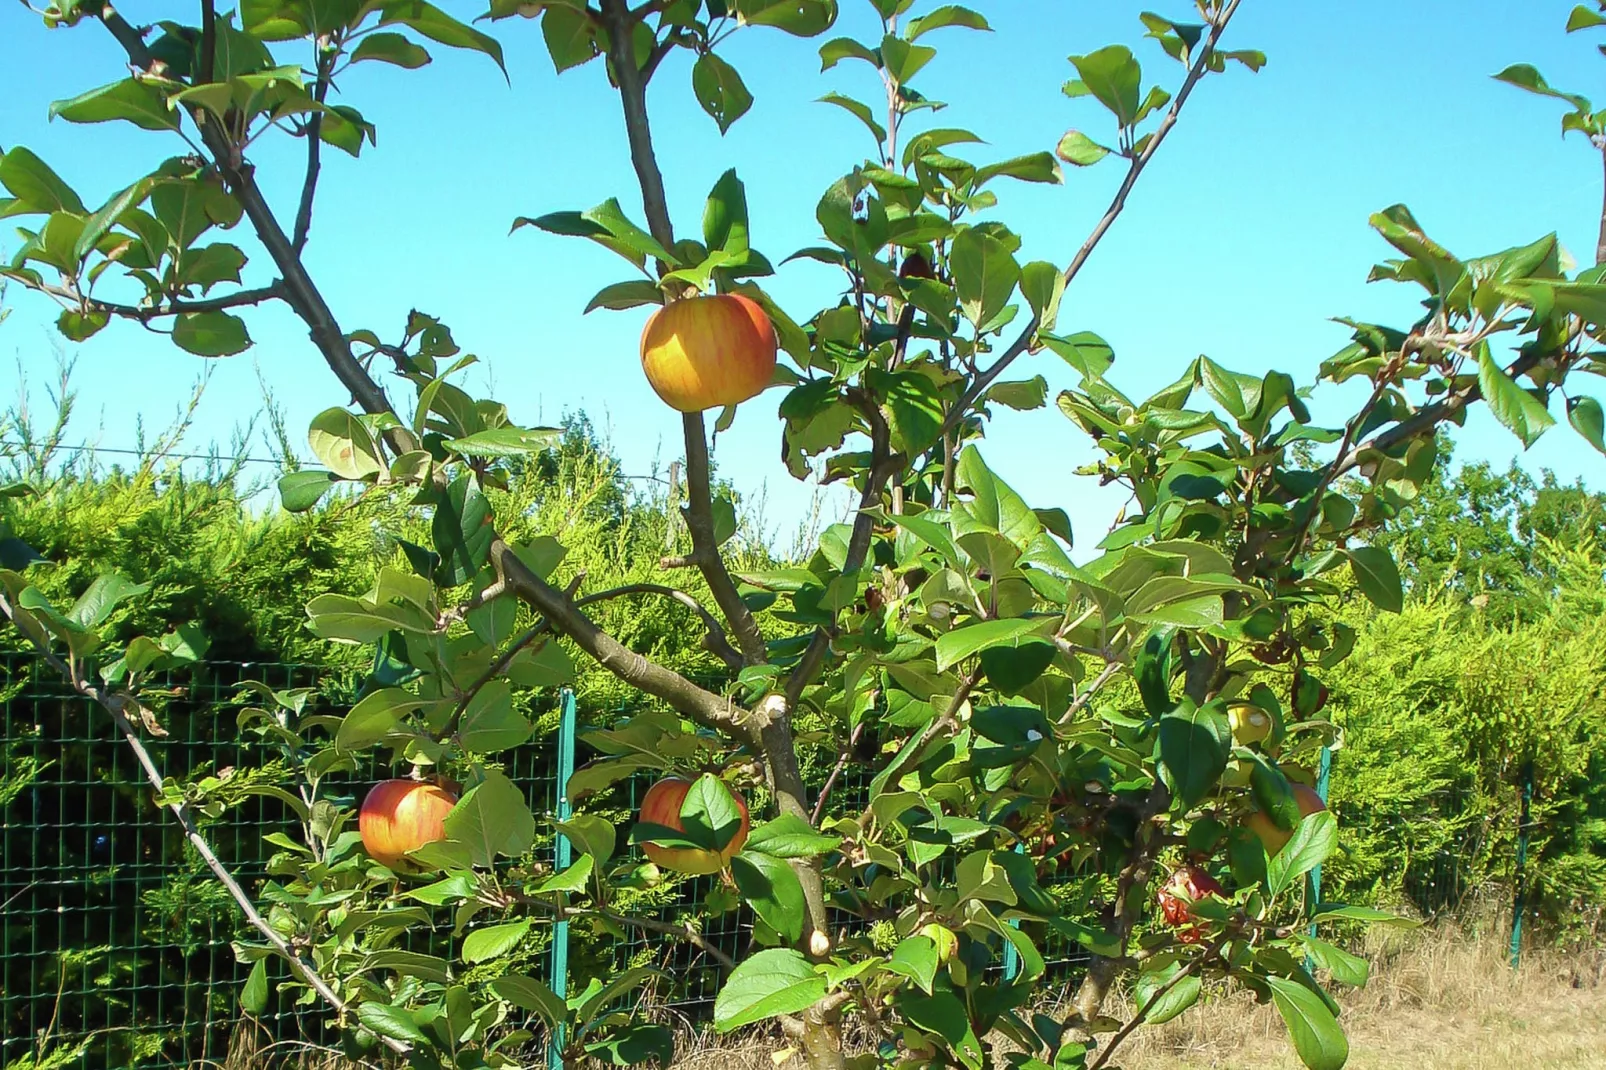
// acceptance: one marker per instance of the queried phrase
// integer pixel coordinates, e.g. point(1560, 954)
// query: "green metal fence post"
point(1011, 953)
point(1522, 864)
point(559, 966)
point(1313, 879)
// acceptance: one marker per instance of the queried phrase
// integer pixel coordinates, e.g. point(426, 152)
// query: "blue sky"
point(1246, 234)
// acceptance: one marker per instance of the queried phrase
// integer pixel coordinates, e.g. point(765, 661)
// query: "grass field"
point(1438, 1000)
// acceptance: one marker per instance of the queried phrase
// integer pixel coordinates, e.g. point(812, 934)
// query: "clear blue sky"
point(1246, 234)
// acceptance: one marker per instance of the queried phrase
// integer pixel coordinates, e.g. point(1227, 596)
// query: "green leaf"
point(78, 326)
point(1378, 577)
point(504, 442)
point(1345, 968)
point(1584, 413)
point(947, 15)
point(131, 100)
point(984, 273)
point(1584, 18)
point(771, 888)
point(453, 889)
point(373, 718)
point(944, 1016)
point(840, 48)
point(1317, 1036)
point(1525, 76)
point(771, 983)
point(571, 37)
point(390, 48)
point(789, 836)
point(490, 724)
point(493, 942)
point(1333, 911)
point(630, 294)
point(1078, 149)
point(709, 813)
point(860, 110)
point(1195, 743)
point(1520, 411)
point(902, 60)
point(102, 596)
point(492, 819)
point(608, 226)
point(393, 1022)
point(1033, 167)
point(574, 879)
point(915, 957)
point(720, 90)
point(1114, 78)
point(1313, 840)
point(437, 25)
point(211, 334)
point(594, 835)
point(344, 443)
point(36, 187)
point(531, 995)
point(1178, 998)
point(725, 215)
point(959, 644)
point(462, 529)
point(800, 18)
point(633, 1044)
point(254, 996)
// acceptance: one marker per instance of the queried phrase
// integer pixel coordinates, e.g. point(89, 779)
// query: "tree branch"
point(705, 554)
point(177, 306)
point(714, 641)
point(314, 131)
point(883, 464)
point(1023, 341)
point(1149, 1004)
point(116, 705)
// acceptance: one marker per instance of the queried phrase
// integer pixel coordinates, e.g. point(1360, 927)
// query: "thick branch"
point(1600, 244)
point(1023, 341)
point(116, 705)
point(314, 132)
point(705, 550)
point(704, 707)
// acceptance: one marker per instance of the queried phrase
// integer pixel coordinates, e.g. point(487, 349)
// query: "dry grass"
point(1439, 999)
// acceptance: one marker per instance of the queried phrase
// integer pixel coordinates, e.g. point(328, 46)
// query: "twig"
point(1149, 1005)
point(1117, 204)
point(714, 641)
point(175, 307)
point(115, 704)
point(836, 771)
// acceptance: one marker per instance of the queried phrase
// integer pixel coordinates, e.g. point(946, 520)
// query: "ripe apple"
point(400, 816)
point(661, 806)
point(1250, 723)
point(705, 352)
point(1270, 834)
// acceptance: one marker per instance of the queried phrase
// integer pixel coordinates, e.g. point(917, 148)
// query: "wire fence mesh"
point(116, 941)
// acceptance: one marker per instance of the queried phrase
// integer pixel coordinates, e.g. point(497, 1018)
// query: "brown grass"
point(1439, 999)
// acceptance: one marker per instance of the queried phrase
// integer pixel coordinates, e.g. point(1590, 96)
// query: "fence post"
point(1011, 954)
point(1313, 879)
point(558, 968)
point(1522, 863)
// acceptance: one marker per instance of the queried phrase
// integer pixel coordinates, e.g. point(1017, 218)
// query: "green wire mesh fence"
point(115, 939)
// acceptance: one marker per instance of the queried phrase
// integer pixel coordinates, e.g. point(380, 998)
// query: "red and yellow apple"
point(1274, 837)
point(661, 806)
point(705, 352)
point(400, 816)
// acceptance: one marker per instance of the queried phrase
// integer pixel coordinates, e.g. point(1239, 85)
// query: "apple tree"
point(1114, 754)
